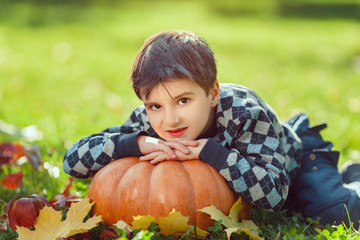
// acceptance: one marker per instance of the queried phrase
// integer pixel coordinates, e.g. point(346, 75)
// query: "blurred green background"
point(64, 65)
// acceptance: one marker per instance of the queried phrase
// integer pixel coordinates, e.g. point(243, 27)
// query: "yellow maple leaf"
point(231, 222)
point(142, 222)
point(177, 224)
point(173, 224)
point(48, 225)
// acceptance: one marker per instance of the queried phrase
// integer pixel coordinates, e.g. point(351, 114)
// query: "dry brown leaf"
point(121, 225)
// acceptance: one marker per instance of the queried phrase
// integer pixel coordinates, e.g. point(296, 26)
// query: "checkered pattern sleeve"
point(90, 154)
point(251, 160)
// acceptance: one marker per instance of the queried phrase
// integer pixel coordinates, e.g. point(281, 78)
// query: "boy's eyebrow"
point(183, 94)
point(146, 104)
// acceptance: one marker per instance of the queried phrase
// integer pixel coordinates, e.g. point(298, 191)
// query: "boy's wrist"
point(143, 141)
point(202, 142)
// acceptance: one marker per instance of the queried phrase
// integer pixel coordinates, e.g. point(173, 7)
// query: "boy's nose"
point(172, 118)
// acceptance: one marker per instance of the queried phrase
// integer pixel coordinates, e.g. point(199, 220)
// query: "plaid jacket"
point(256, 153)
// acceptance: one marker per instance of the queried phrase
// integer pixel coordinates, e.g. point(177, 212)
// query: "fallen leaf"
point(108, 234)
point(231, 222)
point(173, 224)
point(85, 235)
point(121, 225)
point(48, 225)
point(23, 211)
point(246, 226)
point(176, 224)
point(14, 152)
point(124, 226)
point(10, 152)
point(142, 222)
point(12, 181)
point(64, 202)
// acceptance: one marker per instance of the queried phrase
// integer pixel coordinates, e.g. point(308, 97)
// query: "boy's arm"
point(90, 154)
point(254, 166)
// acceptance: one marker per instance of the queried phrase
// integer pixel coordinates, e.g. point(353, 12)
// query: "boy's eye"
point(155, 107)
point(183, 100)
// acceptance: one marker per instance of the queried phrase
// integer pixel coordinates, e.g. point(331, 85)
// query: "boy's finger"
point(157, 160)
point(145, 158)
point(178, 146)
point(186, 142)
point(167, 147)
point(149, 156)
point(184, 157)
point(154, 155)
point(162, 157)
point(189, 143)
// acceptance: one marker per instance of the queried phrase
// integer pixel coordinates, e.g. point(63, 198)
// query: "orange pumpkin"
point(127, 187)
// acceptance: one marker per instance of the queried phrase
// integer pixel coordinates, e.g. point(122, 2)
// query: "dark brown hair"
point(168, 55)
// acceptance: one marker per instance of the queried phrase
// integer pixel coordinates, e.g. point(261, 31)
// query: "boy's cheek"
point(154, 122)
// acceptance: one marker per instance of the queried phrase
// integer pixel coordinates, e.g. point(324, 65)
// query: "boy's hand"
point(159, 156)
point(148, 145)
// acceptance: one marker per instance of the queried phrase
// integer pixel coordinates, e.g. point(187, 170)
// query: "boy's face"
point(180, 108)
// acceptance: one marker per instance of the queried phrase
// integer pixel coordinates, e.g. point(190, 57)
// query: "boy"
point(188, 115)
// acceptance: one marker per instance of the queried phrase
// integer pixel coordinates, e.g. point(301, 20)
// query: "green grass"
point(65, 68)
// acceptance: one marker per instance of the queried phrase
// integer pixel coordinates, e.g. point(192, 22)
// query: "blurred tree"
point(289, 8)
point(320, 8)
point(244, 7)
point(48, 12)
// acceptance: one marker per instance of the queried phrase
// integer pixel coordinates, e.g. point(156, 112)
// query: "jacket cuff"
point(214, 154)
point(127, 146)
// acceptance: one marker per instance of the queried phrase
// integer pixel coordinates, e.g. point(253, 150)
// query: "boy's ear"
point(215, 94)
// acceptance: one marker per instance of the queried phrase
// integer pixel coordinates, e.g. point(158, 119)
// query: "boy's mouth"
point(177, 132)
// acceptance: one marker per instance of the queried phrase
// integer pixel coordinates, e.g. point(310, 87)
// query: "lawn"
point(65, 69)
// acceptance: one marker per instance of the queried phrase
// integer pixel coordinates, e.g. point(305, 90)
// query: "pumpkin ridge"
point(149, 196)
point(192, 188)
point(116, 183)
point(208, 167)
point(118, 204)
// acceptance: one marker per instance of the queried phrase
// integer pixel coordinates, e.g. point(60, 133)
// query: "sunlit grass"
point(70, 77)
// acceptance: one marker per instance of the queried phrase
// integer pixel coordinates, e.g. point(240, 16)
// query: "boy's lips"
point(177, 132)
